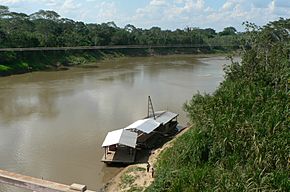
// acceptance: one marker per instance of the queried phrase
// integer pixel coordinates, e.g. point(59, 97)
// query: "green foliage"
point(228, 31)
point(76, 60)
point(240, 141)
point(135, 188)
point(4, 68)
point(46, 28)
point(127, 180)
point(136, 169)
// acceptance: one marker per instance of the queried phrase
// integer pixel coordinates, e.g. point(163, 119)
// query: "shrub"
point(241, 137)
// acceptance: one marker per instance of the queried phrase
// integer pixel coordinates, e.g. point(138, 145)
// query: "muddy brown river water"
point(52, 124)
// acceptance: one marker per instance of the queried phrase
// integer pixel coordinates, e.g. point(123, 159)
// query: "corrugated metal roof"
point(120, 136)
point(144, 125)
point(164, 117)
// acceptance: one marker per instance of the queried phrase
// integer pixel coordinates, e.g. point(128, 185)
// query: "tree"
point(45, 14)
point(120, 37)
point(46, 28)
point(4, 11)
point(2, 38)
point(209, 32)
point(228, 31)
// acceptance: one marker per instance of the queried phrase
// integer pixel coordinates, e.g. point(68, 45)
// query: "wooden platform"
point(121, 155)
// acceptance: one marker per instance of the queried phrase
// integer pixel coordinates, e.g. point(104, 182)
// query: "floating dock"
point(120, 145)
point(121, 155)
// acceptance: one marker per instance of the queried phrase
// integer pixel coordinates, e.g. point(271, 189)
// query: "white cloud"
point(70, 5)
point(235, 12)
point(159, 12)
point(199, 4)
point(10, 1)
point(50, 2)
point(271, 6)
point(227, 5)
point(157, 2)
point(107, 11)
point(101, 12)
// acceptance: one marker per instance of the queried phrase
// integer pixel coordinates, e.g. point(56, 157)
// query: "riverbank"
point(241, 137)
point(25, 62)
point(136, 177)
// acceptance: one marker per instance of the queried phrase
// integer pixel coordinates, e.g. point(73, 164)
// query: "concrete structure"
point(38, 185)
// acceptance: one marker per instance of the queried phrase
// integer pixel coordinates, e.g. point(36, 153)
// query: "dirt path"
point(135, 177)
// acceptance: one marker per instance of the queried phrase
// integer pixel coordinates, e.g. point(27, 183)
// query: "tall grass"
point(241, 138)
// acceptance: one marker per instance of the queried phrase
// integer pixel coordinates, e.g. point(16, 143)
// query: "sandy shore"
point(135, 177)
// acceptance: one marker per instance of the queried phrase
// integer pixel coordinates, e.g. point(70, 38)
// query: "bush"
point(4, 68)
point(241, 137)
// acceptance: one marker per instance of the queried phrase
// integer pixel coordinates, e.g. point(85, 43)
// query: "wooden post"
point(105, 152)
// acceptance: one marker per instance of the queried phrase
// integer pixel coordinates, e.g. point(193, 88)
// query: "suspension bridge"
point(114, 47)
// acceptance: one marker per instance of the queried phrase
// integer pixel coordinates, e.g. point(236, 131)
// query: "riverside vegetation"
point(48, 29)
point(240, 140)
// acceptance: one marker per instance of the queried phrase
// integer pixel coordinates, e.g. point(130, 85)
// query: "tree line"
point(46, 28)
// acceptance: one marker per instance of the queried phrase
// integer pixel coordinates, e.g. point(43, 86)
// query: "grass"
point(4, 68)
point(135, 169)
point(14, 68)
point(240, 141)
point(127, 180)
point(135, 188)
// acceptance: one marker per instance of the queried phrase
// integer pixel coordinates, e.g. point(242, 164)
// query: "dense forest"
point(240, 139)
point(48, 29)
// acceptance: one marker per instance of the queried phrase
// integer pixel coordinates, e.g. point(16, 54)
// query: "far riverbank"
point(25, 62)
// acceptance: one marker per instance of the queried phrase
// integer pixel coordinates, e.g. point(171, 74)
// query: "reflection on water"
point(52, 124)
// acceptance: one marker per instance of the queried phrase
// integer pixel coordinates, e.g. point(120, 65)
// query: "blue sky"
point(167, 14)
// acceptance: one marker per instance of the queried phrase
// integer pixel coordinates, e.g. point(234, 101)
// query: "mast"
point(150, 108)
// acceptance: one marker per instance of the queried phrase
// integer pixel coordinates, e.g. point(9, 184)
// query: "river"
point(52, 124)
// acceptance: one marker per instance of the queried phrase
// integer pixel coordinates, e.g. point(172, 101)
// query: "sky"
point(167, 14)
